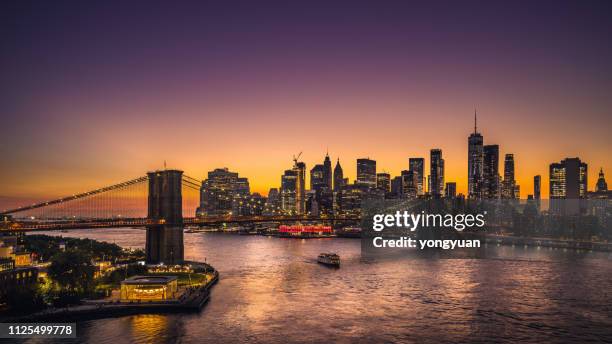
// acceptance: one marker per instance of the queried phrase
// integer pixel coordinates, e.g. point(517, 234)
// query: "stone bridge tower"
point(165, 239)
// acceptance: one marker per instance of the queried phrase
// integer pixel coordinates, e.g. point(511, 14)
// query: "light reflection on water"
point(272, 290)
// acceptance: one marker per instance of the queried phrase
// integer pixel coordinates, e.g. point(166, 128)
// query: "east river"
point(273, 291)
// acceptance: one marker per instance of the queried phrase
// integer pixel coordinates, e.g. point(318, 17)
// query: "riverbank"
point(192, 300)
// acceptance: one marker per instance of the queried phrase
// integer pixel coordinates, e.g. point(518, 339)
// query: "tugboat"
point(330, 259)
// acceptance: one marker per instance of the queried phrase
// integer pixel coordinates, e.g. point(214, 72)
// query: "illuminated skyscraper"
point(417, 166)
point(436, 173)
point(317, 177)
point(409, 184)
point(300, 187)
point(321, 187)
point(383, 182)
point(475, 163)
point(366, 172)
point(568, 185)
point(288, 192)
point(509, 184)
point(220, 190)
point(490, 172)
point(273, 203)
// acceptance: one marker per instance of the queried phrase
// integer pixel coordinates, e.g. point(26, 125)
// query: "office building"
point(317, 177)
point(272, 205)
point(490, 172)
point(436, 173)
point(383, 182)
point(409, 184)
point(327, 172)
point(288, 192)
point(366, 172)
point(601, 184)
point(396, 187)
point(300, 187)
point(537, 193)
point(338, 177)
point(219, 190)
point(475, 162)
point(417, 166)
point(509, 184)
point(567, 186)
point(451, 190)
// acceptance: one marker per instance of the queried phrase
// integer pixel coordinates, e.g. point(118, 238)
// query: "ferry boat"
point(331, 259)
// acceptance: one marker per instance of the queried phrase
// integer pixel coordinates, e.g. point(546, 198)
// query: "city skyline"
point(109, 102)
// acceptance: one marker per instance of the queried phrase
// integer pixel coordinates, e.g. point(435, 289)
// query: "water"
point(273, 291)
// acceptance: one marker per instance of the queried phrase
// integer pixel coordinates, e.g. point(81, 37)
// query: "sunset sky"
point(98, 93)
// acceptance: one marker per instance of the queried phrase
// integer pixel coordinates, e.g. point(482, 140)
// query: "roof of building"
point(149, 280)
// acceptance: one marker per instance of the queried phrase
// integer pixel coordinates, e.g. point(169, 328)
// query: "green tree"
point(72, 270)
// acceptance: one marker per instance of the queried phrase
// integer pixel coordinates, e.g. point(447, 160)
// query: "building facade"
point(436, 173)
point(567, 186)
point(475, 163)
point(366, 172)
point(417, 166)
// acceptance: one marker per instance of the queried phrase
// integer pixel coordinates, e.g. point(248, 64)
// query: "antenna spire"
point(475, 127)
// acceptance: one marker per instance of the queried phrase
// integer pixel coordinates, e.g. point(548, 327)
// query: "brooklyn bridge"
point(163, 202)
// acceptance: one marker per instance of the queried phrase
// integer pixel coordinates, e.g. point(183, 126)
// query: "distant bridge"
point(28, 226)
point(164, 214)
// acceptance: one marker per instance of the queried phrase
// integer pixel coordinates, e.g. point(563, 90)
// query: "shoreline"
point(92, 310)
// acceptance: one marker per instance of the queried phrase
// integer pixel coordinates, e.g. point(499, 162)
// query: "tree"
point(25, 299)
point(72, 270)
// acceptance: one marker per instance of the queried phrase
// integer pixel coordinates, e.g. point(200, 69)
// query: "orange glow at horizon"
point(96, 151)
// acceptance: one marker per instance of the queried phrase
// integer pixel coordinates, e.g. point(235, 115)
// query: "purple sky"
point(95, 93)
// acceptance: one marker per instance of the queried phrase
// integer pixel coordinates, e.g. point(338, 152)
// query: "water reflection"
point(272, 290)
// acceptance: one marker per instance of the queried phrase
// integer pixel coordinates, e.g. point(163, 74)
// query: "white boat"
point(331, 259)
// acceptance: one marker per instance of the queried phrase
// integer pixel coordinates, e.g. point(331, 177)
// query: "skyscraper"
point(537, 194)
point(396, 187)
point(568, 185)
point(509, 183)
point(417, 166)
point(219, 191)
point(338, 177)
point(475, 162)
point(300, 187)
point(273, 203)
point(327, 171)
point(383, 181)
point(409, 186)
point(451, 190)
point(490, 172)
point(288, 191)
point(436, 173)
point(601, 184)
point(321, 196)
point(317, 177)
point(366, 172)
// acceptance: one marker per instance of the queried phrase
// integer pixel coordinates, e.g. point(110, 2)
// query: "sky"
point(97, 93)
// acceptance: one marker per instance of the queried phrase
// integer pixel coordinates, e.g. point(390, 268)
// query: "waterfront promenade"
point(191, 300)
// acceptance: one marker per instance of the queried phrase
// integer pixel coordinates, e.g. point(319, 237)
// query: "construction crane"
point(295, 159)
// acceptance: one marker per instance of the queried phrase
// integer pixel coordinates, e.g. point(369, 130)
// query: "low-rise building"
point(149, 288)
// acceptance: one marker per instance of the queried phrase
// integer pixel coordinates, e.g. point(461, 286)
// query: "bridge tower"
point(165, 239)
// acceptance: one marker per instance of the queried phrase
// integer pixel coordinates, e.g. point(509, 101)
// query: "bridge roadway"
point(28, 226)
